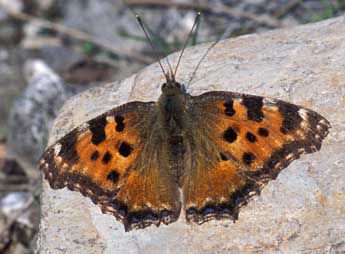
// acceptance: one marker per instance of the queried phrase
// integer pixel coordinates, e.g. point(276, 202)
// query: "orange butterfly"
point(220, 148)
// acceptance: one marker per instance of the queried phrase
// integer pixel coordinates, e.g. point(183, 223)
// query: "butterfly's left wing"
point(117, 160)
point(238, 143)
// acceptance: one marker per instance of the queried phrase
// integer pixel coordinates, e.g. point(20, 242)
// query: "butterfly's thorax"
point(173, 117)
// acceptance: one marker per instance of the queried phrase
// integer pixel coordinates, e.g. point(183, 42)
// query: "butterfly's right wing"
point(117, 160)
point(238, 143)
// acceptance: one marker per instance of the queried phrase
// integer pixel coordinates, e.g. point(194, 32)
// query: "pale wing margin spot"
point(110, 119)
point(301, 150)
point(58, 160)
point(77, 186)
point(83, 127)
point(319, 127)
point(57, 149)
point(269, 101)
point(303, 113)
point(289, 156)
point(222, 199)
point(322, 121)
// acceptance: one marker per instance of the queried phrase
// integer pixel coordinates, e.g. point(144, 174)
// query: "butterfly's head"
point(171, 87)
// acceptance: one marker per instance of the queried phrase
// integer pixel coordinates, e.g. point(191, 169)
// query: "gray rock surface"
point(302, 211)
point(32, 114)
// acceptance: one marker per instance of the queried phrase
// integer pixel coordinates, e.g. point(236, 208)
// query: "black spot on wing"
point(263, 132)
point(291, 117)
point(106, 157)
point(254, 108)
point(125, 149)
point(94, 156)
point(230, 135)
point(120, 125)
point(113, 176)
point(251, 137)
point(248, 158)
point(97, 128)
point(229, 108)
point(224, 156)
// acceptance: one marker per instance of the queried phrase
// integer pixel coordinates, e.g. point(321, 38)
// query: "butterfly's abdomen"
point(176, 156)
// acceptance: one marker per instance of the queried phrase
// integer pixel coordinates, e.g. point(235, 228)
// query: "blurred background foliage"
point(89, 43)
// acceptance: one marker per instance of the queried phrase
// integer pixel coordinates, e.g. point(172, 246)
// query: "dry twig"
point(285, 9)
point(14, 183)
point(77, 34)
point(266, 20)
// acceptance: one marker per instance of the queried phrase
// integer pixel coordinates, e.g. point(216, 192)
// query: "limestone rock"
point(302, 211)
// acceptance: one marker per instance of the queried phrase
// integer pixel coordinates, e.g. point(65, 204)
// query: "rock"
point(302, 211)
point(10, 82)
point(32, 114)
point(12, 5)
point(13, 202)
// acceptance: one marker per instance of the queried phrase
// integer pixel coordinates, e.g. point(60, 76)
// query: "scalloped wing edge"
point(106, 200)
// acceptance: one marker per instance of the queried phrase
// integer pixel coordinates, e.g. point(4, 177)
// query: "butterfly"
point(207, 155)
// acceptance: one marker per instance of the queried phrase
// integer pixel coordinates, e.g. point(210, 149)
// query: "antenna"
point(200, 61)
point(185, 44)
point(204, 56)
point(153, 48)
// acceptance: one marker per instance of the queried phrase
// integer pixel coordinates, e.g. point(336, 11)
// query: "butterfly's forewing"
point(115, 159)
point(240, 142)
